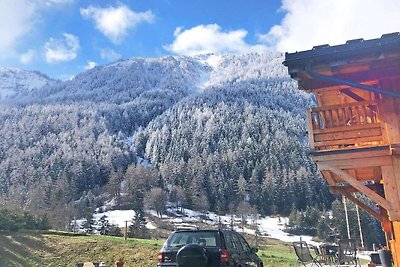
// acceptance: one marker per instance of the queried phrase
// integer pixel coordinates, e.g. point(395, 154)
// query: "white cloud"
point(114, 22)
point(109, 54)
point(204, 39)
point(27, 57)
point(90, 65)
point(58, 2)
point(63, 49)
point(308, 23)
point(17, 18)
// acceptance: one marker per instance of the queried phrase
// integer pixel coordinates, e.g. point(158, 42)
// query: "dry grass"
point(55, 249)
point(29, 249)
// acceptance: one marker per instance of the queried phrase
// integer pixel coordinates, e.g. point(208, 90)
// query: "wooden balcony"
point(345, 126)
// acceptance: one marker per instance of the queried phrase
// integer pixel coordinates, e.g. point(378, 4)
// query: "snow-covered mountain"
point(172, 78)
point(15, 81)
point(209, 123)
point(136, 79)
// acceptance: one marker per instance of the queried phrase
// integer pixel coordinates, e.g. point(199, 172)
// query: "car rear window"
point(206, 239)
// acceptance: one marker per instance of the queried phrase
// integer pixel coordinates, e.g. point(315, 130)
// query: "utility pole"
point(126, 230)
point(347, 216)
point(256, 225)
point(359, 224)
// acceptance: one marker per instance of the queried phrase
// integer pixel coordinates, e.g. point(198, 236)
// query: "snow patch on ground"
point(117, 217)
point(150, 226)
point(272, 227)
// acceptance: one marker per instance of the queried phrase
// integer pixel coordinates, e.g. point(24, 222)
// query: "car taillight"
point(224, 255)
point(160, 257)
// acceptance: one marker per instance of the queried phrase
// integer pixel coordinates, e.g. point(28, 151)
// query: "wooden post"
point(347, 216)
point(310, 129)
point(361, 187)
point(359, 225)
point(126, 230)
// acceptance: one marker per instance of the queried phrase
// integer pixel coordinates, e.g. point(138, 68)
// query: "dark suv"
point(207, 248)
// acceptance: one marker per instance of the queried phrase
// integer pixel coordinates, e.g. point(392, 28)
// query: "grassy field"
point(39, 249)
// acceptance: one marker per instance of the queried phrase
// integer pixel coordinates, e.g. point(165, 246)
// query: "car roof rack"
point(186, 226)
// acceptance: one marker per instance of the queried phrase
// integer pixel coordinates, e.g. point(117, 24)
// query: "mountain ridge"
point(231, 129)
point(15, 82)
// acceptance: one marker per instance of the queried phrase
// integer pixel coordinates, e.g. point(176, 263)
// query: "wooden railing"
point(343, 126)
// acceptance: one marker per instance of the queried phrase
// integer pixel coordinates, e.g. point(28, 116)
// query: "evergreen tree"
point(104, 225)
point(43, 223)
point(138, 228)
point(88, 225)
point(115, 230)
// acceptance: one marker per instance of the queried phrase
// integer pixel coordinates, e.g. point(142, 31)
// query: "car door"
point(249, 256)
point(245, 261)
point(232, 248)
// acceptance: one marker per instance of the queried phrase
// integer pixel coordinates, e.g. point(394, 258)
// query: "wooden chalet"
point(354, 132)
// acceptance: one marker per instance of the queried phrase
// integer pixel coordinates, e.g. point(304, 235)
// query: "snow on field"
point(272, 227)
point(150, 226)
point(117, 217)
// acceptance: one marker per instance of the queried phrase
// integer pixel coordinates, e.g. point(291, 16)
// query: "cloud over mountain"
point(204, 39)
point(115, 22)
point(63, 49)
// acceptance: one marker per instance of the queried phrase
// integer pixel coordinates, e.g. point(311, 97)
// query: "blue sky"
point(64, 37)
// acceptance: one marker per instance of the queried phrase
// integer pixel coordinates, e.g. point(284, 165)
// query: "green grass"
point(57, 249)
point(278, 254)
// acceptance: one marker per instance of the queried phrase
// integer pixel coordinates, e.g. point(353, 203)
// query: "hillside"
point(30, 249)
point(231, 128)
point(242, 139)
point(17, 83)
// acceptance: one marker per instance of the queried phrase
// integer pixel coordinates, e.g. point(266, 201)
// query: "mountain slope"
point(242, 139)
point(19, 82)
point(229, 127)
point(124, 81)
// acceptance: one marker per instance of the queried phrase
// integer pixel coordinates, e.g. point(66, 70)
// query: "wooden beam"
point(353, 95)
point(389, 115)
point(329, 178)
point(391, 183)
point(351, 141)
point(373, 132)
point(351, 153)
point(310, 129)
point(378, 188)
point(362, 205)
point(347, 105)
point(358, 163)
point(359, 77)
point(347, 128)
point(361, 187)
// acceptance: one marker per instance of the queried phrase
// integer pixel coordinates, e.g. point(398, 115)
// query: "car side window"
point(244, 243)
point(237, 242)
point(228, 241)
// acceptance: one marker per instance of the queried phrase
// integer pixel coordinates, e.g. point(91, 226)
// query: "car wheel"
point(192, 255)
